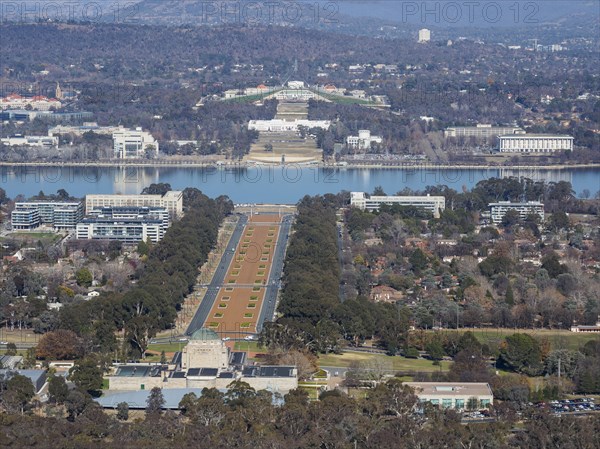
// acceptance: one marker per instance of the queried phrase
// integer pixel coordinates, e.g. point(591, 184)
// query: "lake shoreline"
point(239, 165)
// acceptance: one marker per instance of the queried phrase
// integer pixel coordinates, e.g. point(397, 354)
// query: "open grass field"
point(342, 99)
point(557, 338)
point(167, 347)
point(19, 336)
point(239, 301)
point(396, 363)
point(250, 98)
point(250, 346)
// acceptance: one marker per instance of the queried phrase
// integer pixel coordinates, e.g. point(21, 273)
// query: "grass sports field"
point(396, 363)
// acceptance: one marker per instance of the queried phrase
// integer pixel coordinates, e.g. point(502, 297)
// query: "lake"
point(269, 184)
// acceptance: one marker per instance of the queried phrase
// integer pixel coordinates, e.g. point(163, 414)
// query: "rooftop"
point(451, 388)
point(269, 371)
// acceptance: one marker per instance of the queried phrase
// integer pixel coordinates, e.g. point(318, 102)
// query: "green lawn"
point(558, 339)
point(168, 347)
point(251, 346)
point(396, 363)
point(249, 98)
point(45, 237)
point(341, 99)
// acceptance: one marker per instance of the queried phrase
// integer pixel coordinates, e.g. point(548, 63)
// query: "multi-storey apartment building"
point(498, 210)
point(60, 215)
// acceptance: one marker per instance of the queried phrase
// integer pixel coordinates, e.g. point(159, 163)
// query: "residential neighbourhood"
point(351, 225)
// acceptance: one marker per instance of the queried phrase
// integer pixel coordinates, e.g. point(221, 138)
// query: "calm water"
point(266, 184)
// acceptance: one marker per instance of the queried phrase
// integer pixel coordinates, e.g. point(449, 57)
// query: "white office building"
point(172, 201)
point(129, 232)
point(59, 215)
point(424, 35)
point(433, 204)
point(30, 141)
point(124, 213)
point(459, 396)
point(535, 143)
point(279, 125)
point(482, 131)
point(499, 210)
point(363, 141)
point(133, 143)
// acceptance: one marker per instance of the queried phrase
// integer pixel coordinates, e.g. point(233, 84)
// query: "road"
point(217, 281)
point(267, 311)
point(340, 243)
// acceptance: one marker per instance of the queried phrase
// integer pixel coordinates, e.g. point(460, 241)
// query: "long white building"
point(279, 125)
point(498, 210)
point(127, 231)
point(133, 143)
point(172, 201)
point(482, 131)
point(535, 143)
point(433, 204)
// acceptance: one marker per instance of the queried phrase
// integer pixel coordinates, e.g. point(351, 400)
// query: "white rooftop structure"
point(280, 125)
point(424, 35)
point(454, 394)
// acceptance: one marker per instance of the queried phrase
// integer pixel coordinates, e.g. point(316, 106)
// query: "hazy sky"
point(468, 12)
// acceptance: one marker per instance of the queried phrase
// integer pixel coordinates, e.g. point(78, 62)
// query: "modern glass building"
point(130, 231)
point(60, 215)
point(127, 224)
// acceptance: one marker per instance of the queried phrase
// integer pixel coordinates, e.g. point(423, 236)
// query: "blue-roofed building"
point(37, 376)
